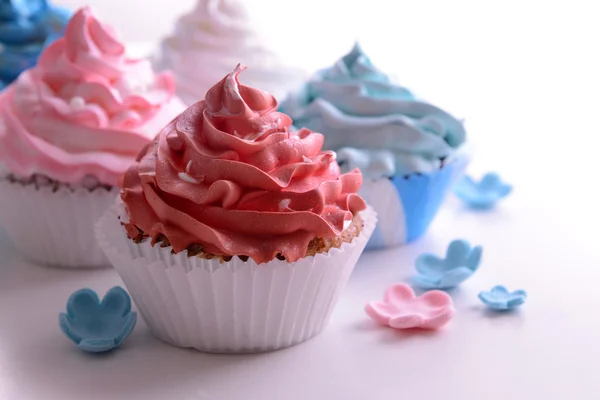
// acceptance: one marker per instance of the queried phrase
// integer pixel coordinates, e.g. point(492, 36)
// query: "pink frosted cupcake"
point(235, 234)
point(68, 129)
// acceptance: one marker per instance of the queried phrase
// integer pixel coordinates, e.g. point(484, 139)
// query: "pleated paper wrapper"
point(234, 306)
point(409, 203)
point(54, 226)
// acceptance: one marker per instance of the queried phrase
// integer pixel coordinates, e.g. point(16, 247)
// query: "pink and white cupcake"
point(69, 128)
point(235, 234)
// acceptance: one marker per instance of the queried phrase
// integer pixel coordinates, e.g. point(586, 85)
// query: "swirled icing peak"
point(85, 109)
point(214, 23)
point(228, 175)
point(26, 27)
point(216, 35)
point(377, 125)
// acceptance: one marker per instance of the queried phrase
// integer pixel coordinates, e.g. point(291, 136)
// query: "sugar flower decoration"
point(98, 326)
point(500, 298)
point(460, 263)
point(484, 194)
point(401, 309)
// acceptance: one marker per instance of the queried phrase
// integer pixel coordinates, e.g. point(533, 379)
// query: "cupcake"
point(69, 127)
point(409, 151)
point(235, 234)
point(26, 27)
point(214, 36)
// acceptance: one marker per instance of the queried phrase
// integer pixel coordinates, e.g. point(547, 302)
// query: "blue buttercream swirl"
point(26, 28)
point(373, 123)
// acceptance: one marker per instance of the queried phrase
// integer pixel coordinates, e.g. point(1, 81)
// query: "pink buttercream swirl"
point(85, 109)
point(227, 174)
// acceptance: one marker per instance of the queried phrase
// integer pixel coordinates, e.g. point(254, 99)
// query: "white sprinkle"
point(232, 88)
point(188, 166)
point(285, 204)
point(185, 177)
point(77, 103)
point(265, 128)
point(347, 223)
point(332, 157)
point(306, 159)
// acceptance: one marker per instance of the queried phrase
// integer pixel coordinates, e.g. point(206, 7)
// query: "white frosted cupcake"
point(235, 234)
point(69, 128)
point(214, 36)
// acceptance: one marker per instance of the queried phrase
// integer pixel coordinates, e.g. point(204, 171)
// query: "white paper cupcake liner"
point(54, 226)
point(235, 306)
point(381, 194)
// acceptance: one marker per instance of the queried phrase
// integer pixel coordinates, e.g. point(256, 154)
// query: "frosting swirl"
point(214, 36)
point(227, 174)
point(85, 109)
point(375, 124)
point(26, 27)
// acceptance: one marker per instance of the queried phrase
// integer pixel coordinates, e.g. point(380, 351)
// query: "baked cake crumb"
point(315, 246)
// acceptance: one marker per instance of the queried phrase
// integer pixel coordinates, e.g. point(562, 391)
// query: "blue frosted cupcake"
point(26, 27)
point(409, 151)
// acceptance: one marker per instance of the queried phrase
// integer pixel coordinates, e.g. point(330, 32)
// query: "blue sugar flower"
point(499, 298)
point(483, 194)
point(97, 326)
point(443, 273)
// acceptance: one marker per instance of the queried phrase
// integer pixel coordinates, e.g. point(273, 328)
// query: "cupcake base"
point(235, 306)
point(52, 224)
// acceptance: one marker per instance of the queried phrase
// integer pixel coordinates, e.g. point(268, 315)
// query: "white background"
point(523, 73)
point(525, 76)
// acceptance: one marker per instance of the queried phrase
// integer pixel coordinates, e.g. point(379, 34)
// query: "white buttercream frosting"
point(212, 39)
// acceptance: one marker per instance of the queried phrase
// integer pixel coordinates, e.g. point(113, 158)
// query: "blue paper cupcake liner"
point(408, 204)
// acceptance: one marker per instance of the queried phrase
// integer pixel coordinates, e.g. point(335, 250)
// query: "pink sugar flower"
point(401, 309)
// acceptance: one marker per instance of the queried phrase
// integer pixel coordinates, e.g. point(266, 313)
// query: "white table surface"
point(547, 350)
